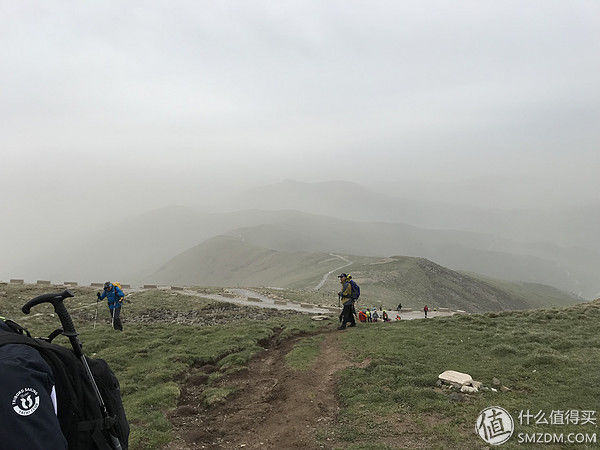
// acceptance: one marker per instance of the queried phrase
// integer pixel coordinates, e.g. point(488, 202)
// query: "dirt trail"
point(275, 406)
point(324, 279)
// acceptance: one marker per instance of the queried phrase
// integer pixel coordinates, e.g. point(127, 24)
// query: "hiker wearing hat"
point(345, 294)
point(114, 296)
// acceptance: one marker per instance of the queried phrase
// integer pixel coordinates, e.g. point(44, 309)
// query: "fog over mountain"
point(477, 118)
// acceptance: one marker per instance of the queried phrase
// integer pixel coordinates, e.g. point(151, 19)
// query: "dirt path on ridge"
point(275, 406)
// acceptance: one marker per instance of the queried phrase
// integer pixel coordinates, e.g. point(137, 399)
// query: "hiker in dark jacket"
point(114, 296)
point(346, 295)
point(426, 310)
point(28, 406)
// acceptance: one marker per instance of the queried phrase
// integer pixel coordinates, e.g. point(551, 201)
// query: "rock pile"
point(464, 383)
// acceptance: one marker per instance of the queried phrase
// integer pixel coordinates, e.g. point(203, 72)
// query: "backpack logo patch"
point(26, 401)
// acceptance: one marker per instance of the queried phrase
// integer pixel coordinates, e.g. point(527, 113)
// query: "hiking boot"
point(352, 325)
point(341, 328)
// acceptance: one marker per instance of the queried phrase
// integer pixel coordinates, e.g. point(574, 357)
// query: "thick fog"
point(111, 109)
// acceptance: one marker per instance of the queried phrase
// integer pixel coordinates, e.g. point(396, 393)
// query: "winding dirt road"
point(322, 282)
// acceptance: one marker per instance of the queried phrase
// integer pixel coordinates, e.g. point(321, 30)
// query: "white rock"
point(456, 378)
point(469, 390)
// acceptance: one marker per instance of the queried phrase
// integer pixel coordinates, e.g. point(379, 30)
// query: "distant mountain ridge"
point(132, 249)
point(569, 227)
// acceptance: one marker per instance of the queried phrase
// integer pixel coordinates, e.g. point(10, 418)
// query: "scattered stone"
point(457, 379)
point(504, 389)
point(484, 388)
point(468, 390)
point(458, 397)
point(476, 384)
point(494, 390)
point(438, 383)
point(320, 317)
point(495, 381)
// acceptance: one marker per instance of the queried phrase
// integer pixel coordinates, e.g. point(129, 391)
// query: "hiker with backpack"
point(349, 293)
point(114, 296)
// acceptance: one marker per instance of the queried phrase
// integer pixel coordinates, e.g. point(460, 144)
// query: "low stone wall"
point(280, 302)
point(70, 283)
point(97, 284)
point(16, 281)
point(150, 286)
point(307, 305)
point(176, 288)
point(43, 282)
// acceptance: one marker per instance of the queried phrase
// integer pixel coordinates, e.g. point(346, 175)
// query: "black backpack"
point(79, 414)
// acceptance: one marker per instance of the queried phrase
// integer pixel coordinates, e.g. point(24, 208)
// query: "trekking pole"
point(96, 314)
point(69, 330)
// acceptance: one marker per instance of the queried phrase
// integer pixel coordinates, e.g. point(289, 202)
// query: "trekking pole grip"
point(59, 308)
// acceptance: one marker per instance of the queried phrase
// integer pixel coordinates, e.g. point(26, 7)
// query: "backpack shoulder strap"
point(14, 338)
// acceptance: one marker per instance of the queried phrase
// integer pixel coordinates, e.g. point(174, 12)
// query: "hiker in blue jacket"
point(28, 409)
point(114, 295)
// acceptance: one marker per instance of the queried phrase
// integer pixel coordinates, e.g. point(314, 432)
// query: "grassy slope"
point(417, 281)
point(455, 249)
point(537, 295)
point(548, 358)
point(228, 261)
point(148, 359)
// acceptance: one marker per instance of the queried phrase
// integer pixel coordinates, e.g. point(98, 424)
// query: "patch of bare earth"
point(274, 407)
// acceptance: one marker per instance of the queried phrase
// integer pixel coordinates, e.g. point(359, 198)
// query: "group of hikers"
point(372, 315)
point(350, 293)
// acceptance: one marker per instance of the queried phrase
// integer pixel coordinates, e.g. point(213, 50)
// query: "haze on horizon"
point(110, 107)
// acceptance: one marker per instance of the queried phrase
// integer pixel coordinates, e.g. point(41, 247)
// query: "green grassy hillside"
point(388, 398)
point(228, 261)
point(166, 335)
point(548, 360)
point(415, 282)
point(566, 269)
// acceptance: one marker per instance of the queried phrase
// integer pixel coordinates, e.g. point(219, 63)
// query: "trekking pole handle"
point(57, 301)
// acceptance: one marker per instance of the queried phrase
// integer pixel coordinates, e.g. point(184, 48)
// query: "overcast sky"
point(148, 103)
